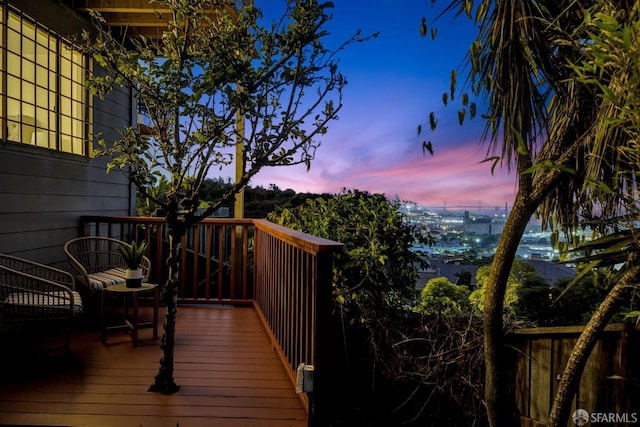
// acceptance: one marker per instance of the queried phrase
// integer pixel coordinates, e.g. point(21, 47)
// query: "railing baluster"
point(245, 263)
point(196, 258)
point(208, 255)
point(183, 264)
point(234, 262)
point(160, 259)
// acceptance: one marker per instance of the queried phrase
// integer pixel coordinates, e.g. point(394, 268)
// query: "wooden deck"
point(228, 373)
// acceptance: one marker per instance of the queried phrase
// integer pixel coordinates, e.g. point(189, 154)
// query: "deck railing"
point(285, 274)
point(293, 275)
point(215, 254)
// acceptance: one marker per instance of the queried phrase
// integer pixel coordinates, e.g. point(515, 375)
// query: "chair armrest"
point(25, 296)
point(38, 270)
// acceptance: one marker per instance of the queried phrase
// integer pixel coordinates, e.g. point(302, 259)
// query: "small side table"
point(132, 324)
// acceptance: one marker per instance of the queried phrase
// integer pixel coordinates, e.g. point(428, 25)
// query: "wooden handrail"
point(304, 241)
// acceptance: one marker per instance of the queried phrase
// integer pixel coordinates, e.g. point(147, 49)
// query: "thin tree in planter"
point(215, 65)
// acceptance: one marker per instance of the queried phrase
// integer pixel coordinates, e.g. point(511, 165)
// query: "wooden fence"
point(610, 382)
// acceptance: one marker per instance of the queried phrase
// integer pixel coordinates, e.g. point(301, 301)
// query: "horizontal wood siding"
point(43, 192)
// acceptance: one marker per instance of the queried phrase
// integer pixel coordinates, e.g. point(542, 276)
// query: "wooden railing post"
point(320, 398)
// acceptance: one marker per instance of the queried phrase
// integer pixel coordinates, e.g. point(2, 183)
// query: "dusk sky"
point(395, 81)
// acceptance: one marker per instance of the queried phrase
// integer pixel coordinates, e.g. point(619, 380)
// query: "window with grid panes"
point(44, 101)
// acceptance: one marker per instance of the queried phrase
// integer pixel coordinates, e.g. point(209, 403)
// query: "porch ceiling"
point(131, 18)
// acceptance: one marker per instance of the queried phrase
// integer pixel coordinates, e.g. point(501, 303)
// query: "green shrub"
point(378, 270)
point(440, 296)
point(519, 272)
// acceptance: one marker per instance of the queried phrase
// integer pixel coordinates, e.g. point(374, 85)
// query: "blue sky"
point(395, 81)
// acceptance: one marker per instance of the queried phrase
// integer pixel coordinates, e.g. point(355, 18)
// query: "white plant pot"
point(133, 278)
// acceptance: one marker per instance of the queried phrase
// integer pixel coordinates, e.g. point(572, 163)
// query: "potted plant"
point(133, 255)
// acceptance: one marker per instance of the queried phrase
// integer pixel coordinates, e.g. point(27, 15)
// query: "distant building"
point(477, 224)
point(482, 224)
point(497, 225)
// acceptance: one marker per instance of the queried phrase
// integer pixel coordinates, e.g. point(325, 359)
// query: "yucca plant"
point(133, 254)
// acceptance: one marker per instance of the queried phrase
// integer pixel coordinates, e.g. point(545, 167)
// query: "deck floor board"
point(226, 367)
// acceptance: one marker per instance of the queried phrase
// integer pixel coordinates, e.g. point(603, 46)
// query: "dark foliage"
point(565, 303)
point(258, 201)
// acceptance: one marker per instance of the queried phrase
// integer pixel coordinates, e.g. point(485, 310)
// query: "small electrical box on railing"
point(304, 378)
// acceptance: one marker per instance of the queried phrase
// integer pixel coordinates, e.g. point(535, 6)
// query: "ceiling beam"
point(120, 19)
point(134, 17)
point(120, 6)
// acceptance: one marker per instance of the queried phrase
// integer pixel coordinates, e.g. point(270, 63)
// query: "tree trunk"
point(500, 405)
point(164, 381)
point(584, 346)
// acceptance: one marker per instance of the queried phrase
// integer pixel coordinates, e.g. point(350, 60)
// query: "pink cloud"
point(454, 176)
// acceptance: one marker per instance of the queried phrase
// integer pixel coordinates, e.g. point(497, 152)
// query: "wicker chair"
point(97, 263)
point(31, 292)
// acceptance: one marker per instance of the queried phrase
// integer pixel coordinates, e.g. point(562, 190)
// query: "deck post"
point(320, 398)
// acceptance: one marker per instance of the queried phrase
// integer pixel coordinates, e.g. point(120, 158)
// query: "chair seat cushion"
point(104, 279)
point(41, 304)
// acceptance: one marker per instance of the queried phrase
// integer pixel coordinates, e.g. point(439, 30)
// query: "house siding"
point(43, 192)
